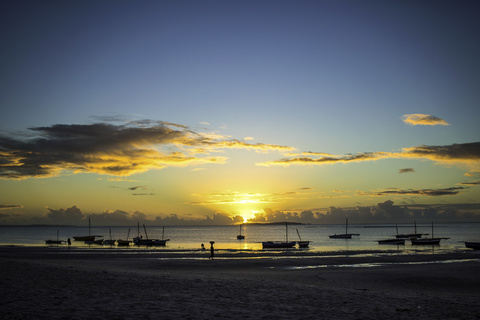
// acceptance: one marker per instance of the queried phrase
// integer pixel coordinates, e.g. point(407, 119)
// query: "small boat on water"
point(279, 244)
point(302, 243)
point(427, 241)
point(345, 235)
point(472, 245)
point(396, 241)
point(109, 242)
point(85, 238)
point(410, 236)
point(57, 242)
point(127, 242)
point(240, 236)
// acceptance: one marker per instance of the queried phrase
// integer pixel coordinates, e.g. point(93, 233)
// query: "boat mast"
point(346, 226)
point(286, 231)
point(89, 226)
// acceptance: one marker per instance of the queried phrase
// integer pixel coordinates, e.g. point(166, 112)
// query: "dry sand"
point(50, 283)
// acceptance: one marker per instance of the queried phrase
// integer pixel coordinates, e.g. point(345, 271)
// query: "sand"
point(53, 283)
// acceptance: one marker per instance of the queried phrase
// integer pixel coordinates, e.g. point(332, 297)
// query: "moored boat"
point(88, 238)
point(240, 236)
point(279, 244)
point(345, 235)
point(472, 245)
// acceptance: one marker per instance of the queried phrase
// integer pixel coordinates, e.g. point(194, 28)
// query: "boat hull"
point(392, 241)
point(84, 238)
point(473, 245)
point(273, 244)
point(425, 241)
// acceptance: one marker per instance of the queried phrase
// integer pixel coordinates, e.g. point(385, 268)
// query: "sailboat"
point(139, 241)
point(160, 242)
point(127, 242)
point(430, 241)
point(54, 241)
point(85, 238)
point(109, 242)
point(394, 240)
point(410, 236)
point(345, 235)
point(280, 244)
point(302, 243)
point(240, 236)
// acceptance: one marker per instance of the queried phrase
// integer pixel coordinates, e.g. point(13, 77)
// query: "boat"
point(280, 244)
point(472, 245)
point(392, 241)
point(302, 243)
point(127, 242)
point(345, 235)
point(160, 242)
point(139, 240)
point(85, 238)
point(55, 241)
point(410, 236)
point(427, 241)
point(240, 236)
point(109, 242)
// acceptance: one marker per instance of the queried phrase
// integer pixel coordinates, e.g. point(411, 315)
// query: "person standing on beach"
point(211, 249)
point(69, 242)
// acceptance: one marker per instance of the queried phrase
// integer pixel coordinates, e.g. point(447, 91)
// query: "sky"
point(222, 112)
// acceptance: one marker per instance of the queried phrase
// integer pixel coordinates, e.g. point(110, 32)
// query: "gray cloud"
point(420, 192)
point(406, 170)
point(111, 149)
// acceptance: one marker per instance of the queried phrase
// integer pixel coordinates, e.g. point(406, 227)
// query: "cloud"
point(466, 154)
point(472, 183)
point(406, 170)
point(419, 192)
point(10, 206)
point(423, 119)
point(137, 187)
point(118, 150)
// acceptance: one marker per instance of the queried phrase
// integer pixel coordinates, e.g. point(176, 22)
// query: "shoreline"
point(42, 283)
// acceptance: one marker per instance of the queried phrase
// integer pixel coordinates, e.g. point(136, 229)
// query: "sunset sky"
point(238, 110)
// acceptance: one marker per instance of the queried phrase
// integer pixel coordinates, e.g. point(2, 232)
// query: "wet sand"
point(58, 283)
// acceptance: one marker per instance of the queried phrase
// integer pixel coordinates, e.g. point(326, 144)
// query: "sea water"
point(225, 237)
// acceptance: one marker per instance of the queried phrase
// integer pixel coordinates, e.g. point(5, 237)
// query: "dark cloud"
point(111, 149)
point(464, 154)
point(137, 187)
point(406, 170)
point(143, 194)
point(420, 192)
point(472, 183)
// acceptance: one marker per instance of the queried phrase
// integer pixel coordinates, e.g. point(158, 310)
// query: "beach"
point(62, 283)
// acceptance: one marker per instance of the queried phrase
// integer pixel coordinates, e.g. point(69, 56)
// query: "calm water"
point(191, 237)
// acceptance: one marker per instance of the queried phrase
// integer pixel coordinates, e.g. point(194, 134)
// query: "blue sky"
point(326, 77)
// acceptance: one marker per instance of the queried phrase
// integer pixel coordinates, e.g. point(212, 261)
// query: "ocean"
point(190, 238)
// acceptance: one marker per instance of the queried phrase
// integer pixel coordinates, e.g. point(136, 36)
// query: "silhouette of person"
point(203, 247)
point(211, 249)
point(69, 242)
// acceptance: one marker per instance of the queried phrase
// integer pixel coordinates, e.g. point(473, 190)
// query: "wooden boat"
point(302, 243)
point(472, 245)
point(57, 242)
point(280, 244)
point(127, 242)
point(410, 236)
point(160, 242)
point(85, 238)
point(109, 242)
point(240, 236)
point(427, 241)
point(345, 235)
point(392, 241)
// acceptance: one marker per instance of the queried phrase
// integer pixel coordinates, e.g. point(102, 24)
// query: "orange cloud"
point(423, 119)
